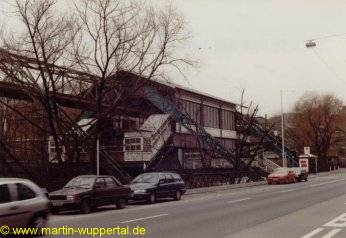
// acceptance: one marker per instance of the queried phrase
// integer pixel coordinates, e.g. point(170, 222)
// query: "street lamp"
point(284, 159)
point(310, 44)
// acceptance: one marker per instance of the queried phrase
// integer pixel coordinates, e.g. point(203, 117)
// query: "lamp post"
point(284, 159)
point(98, 156)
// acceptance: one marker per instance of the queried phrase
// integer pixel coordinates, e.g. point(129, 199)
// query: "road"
point(303, 210)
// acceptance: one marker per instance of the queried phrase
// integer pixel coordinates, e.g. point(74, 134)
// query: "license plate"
point(58, 203)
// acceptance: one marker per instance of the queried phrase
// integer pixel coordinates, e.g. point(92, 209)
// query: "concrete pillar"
point(180, 156)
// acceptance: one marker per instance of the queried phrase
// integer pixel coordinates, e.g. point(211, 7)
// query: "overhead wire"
point(328, 36)
point(331, 69)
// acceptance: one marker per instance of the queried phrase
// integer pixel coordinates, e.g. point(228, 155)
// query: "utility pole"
point(98, 156)
point(284, 161)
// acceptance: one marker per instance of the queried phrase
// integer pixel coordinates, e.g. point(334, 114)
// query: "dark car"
point(151, 186)
point(88, 192)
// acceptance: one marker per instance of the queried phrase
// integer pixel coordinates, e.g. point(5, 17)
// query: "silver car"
point(22, 204)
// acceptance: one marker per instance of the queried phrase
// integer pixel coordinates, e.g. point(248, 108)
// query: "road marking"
point(332, 233)
point(238, 200)
point(144, 218)
point(320, 184)
point(338, 222)
point(287, 191)
point(313, 233)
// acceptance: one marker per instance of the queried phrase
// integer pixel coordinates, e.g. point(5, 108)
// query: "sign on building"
point(304, 164)
point(307, 150)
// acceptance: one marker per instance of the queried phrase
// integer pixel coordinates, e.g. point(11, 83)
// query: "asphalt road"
point(303, 210)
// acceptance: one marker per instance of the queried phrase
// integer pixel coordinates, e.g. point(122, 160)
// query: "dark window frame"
point(9, 197)
point(31, 194)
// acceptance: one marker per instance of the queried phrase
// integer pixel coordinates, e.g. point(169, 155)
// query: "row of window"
point(211, 115)
point(23, 193)
point(107, 182)
point(133, 144)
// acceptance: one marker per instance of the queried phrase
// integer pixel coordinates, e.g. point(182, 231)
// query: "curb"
point(252, 184)
point(223, 187)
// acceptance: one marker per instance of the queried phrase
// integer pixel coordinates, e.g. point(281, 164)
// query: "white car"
point(22, 204)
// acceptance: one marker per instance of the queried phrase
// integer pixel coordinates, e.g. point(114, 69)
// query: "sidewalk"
point(328, 173)
point(223, 187)
point(252, 184)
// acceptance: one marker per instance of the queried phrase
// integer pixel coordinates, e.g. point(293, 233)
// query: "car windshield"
point(82, 182)
point(146, 178)
point(280, 171)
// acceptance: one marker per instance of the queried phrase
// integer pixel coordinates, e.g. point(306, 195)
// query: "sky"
point(260, 46)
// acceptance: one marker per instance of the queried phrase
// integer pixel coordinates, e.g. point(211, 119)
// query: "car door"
point(111, 190)
point(115, 190)
point(171, 185)
point(100, 192)
point(179, 183)
point(161, 190)
point(7, 208)
point(26, 203)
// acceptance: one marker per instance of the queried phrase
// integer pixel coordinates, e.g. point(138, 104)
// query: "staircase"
point(160, 156)
point(266, 164)
point(210, 143)
point(273, 143)
point(113, 168)
point(144, 144)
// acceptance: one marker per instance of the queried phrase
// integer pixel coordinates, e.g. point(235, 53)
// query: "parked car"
point(155, 185)
point(88, 192)
point(281, 175)
point(22, 204)
point(300, 174)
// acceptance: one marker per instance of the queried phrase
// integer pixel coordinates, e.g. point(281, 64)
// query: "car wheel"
point(152, 198)
point(55, 210)
point(86, 207)
point(306, 179)
point(120, 203)
point(177, 195)
point(38, 222)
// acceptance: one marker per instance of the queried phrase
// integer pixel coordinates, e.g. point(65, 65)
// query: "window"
point(100, 182)
point(169, 178)
point(192, 160)
point(5, 195)
point(192, 109)
point(84, 182)
point(211, 117)
point(227, 120)
point(133, 144)
point(24, 192)
point(52, 150)
point(110, 182)
point(177, 177)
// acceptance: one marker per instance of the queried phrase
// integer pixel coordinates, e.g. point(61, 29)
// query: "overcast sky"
point(259, 45)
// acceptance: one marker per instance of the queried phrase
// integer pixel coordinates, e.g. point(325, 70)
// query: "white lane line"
point(287, 191)
point(238, 200)
point(313, 233)
point(144, 218)
point(320, 184)
point(332, 233)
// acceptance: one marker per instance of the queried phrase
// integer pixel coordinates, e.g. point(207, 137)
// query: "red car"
point(281, 175)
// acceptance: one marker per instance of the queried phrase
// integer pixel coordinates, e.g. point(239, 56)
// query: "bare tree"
point(43, 41)
point(118, 38)
point(86, 57)
point(315, 123)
